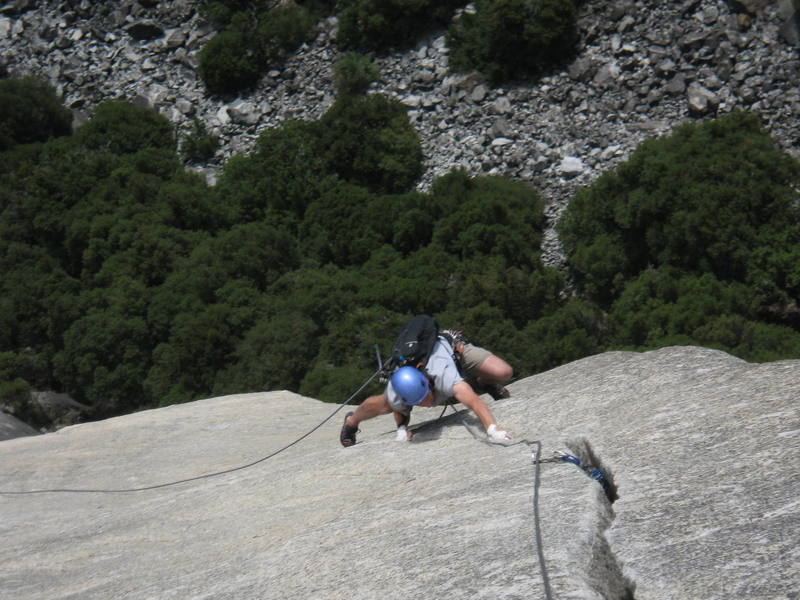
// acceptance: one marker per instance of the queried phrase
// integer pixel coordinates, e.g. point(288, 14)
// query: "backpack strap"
point(457, 341)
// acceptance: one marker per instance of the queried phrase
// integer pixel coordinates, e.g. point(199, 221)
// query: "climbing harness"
point(207, 475)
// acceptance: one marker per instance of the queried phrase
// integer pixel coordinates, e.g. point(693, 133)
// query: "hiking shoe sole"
point(498, 392)
point(347, 437)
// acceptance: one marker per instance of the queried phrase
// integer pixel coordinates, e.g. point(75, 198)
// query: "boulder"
point(61, 409)
point(571, 166)
point(11, 427)
point(790, 28)
point(701, 101)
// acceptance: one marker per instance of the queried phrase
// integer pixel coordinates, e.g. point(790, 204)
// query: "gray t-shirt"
point(444, 372)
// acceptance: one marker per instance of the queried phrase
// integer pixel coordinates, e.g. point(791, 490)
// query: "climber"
point(438, 383)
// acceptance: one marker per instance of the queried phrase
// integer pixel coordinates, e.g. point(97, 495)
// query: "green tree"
point(368, 140)
point(228, 63)
point(15, 391)
point(199, 145)
point(488, 215)
point(283, 29)
point(750, 340)
point(200, 344)
point(335, 228)
point(572, 332)
point(353, 73)
point(665, 303)
point(505, 39)
point(280, 178)
point(123, 128)
point(275, 353)
point(384, 24)
point(702, 200)
point(347, 357)
point(30, 112)
point(106, 352)
point(253, 35)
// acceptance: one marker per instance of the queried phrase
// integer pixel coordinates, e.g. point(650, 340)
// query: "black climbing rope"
point(207, 475)
point(536, 455)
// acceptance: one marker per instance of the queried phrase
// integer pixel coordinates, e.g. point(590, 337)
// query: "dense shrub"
point(709, 198)
point(283, 29)
point(119, 127)
point(280, 178)
point(30, 111)
point(665, 303)
point(488, 216)
point(275, 353)
point(665, 307)
point(228, 63)
point(368, 140)
point(335, 228)
point(199, 145)
point(220, 12)
point(353, 73)
point(505, 39)
point(15, 390)
point(384, 24)
point(694, 241)
point(254, 36)
point(569, 333)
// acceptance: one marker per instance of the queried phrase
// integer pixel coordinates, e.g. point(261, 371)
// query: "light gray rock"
point(676, 85)
point(412, 100)
point(500, 128)
point(501, 141)
point(243, 113)
point(571, 166)
point(701, 448)
point(61, 409)
point(666, 67)
point(701, 101)
point(478, 93)
point(607, 74)
point(502, 105)
point(5, 27)
point(706, 512)
point(583, 69)
point(11, 427)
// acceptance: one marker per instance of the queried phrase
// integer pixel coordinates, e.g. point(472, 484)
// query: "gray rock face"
point(60, 409)
point(701, 447)
point(11, 427)
point(637, 60)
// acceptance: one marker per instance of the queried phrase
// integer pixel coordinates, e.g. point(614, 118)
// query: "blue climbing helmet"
point(410, 384)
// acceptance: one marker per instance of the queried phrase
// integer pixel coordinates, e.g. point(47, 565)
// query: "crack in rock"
point(604, 573)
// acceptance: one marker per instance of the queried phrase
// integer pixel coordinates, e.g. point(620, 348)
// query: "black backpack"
point(415, 342)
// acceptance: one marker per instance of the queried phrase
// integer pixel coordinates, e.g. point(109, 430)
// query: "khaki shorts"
point(472, 357)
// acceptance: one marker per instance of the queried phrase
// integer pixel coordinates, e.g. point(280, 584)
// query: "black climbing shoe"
point(497, 391)
point(348, 435)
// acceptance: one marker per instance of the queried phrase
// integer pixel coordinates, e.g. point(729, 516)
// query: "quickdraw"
point(595, 473)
